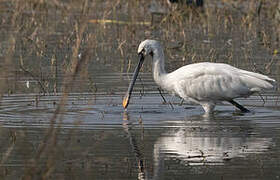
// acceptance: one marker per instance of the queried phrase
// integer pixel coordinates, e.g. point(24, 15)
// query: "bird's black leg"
point(242, 108)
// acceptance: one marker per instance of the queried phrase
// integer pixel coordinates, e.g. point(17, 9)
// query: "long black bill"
point(135, 74)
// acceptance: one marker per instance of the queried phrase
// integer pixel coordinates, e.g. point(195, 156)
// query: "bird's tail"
point(257, 82)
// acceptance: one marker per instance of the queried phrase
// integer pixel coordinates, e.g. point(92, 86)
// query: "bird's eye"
point(142, 51)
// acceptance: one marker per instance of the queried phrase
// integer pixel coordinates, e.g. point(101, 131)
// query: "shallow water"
point(151, 139)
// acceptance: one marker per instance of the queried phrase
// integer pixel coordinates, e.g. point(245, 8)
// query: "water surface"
point(151, 139)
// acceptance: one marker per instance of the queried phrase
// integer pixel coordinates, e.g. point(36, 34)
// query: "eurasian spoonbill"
point(203, 83)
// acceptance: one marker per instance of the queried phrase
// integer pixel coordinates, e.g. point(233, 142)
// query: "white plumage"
point(207, 83)
point(204, 83)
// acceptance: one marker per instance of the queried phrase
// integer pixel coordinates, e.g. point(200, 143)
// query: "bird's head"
point(147, 47)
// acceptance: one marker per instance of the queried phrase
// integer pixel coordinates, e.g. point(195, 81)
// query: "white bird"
point(202, 83)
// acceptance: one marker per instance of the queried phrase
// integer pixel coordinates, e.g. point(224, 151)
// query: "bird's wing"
point(255, 81)
point(212, 82)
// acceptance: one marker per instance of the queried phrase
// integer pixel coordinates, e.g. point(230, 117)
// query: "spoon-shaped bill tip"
point(125, 101)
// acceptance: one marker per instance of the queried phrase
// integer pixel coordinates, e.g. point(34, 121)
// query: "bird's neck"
point(158, 66)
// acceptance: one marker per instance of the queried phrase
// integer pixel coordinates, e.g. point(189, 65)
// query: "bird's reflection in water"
point(134, 146)
point(210, 144)
point(197, 140)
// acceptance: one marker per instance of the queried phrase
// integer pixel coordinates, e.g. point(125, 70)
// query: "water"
point(151, 139)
